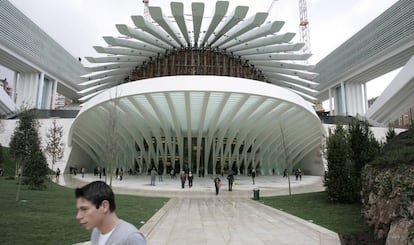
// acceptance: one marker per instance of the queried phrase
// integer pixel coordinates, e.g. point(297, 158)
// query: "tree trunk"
point(20, 176)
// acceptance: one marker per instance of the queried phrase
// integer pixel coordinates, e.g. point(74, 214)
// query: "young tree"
point(364, 147)
point(112, 137)
point(25, 148)
point(55, 146)
point(339, 177)
point(411, 122)
point(390, 134)
point(36, 170)
point(348, 152)
point(1, 153)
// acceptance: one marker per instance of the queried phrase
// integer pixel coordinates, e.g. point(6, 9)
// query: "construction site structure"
point(304, 26)
point(271, 5)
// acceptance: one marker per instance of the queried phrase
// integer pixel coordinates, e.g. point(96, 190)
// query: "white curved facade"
point(206, 93)
point(176, 43)
point(186, 122)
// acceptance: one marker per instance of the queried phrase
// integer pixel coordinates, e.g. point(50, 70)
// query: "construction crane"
point(304, 26)
point(146, 10)
point(271, 6)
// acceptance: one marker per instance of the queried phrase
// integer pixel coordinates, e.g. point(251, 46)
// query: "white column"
point(245, 163)
point(141, 162)
point(331, 109)
point(214, 156)
point(350, 99)
point(174, 142)
point(53, 95)
point(181, 151)
point(254, 160)
point(354, 99)
point(16, 85)
point(365, 97)
point(26, 90)
point(222, 156)
point(361, 101)
point(343, 93)
point(39, 86)
point(165, 158)
point(238, 160)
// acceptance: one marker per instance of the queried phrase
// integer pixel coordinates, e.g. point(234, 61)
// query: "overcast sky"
point(80, 24)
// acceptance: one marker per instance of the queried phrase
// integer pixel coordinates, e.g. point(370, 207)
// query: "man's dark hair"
point(96, 192)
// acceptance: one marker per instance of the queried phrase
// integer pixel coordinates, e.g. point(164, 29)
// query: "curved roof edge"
point(198, 83)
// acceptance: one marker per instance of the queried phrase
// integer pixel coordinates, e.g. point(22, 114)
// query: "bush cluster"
point(348, 150)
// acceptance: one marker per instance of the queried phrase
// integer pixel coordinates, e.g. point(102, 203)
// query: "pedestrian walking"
point(183, 178)
point(57, 173)
point(217, 184)
point(121, 173)
point(153, 176)
point(160, 170)
point(190, 179)
point(230, 178)
point(99, 172)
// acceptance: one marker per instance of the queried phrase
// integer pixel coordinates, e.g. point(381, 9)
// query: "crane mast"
point(304, 26)
point(271, 5)
point(146, 10)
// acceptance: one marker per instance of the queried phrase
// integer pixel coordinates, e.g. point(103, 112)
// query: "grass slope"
point(341, 218)
point(48, 216)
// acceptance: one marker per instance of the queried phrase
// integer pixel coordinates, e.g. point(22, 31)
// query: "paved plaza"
point(197, 216)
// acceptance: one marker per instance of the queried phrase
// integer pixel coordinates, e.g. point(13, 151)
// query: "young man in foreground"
point(96, 210)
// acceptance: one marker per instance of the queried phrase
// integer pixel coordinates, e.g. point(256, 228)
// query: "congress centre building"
point(230, 92)
point(187, 90)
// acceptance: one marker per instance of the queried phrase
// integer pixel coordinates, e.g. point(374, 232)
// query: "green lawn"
point(48, 216)
point(7, 164)
point(341, 218)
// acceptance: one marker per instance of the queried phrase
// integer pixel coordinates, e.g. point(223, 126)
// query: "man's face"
point(88, 215)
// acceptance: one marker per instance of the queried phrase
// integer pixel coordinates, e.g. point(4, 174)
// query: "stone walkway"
point(197, 216)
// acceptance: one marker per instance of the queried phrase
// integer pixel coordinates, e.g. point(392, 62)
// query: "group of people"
point(297, 171)
point(218, 184)
point(95, 203)
point(98, 171)
point(184, 176)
